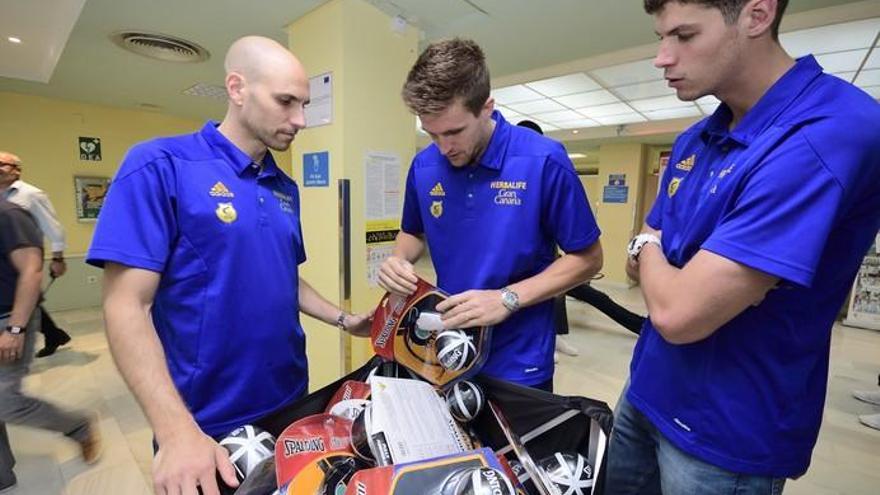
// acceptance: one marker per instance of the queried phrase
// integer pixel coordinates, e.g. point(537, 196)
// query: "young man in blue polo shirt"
point(200, 241)
point(492, 201)
point(746, 258)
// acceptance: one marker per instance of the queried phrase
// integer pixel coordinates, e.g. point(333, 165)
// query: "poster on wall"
point(319, 111)
point(90, 149)
point(864, 305)
point(381, 208)
point(89, 193)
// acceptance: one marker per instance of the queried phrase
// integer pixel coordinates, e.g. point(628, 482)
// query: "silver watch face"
point(510, 300)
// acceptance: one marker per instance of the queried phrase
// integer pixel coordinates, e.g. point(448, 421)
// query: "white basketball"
point(478, 481)
point(570, 472)
point(455, 349)
point(465, 400)
point(248, 445)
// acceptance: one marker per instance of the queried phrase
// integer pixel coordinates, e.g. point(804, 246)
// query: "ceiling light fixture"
point(575, 131)
point(575, 156)
point(13, 39)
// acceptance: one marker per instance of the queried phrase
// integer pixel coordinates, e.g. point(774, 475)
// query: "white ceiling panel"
point(629, 118)
point(708, 104)
point(661, 103)
point(631, 73)
point(833, 38)
point(605, 110)
point(869, 78)
point(842, 61)
point(514, 94)
point(578, 124)
point(509, 114)
point(846, 76)
point(564, 85)
point(874, 60)
point(674, 113)
point(590, 99)
point(539, 106)
point(644, 90)
point(874, 91)
point(547, 127)
point(560, 116)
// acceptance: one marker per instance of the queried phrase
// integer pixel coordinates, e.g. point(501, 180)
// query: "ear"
point(757, 17)
point(488, 107)
point(235, 88)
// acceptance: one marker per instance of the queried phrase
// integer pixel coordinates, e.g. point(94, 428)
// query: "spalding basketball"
point(248, 445)
point(570, 472)
point(465, 400)
point(478, 481)
point(455, 350)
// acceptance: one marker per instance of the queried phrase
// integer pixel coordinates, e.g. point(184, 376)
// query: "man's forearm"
point(315, 305)
point(408, 247)
point(27, 295)
point(138, 354)
point(565, 272)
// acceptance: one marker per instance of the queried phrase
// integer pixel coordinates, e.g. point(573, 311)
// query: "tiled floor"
point(846, 460)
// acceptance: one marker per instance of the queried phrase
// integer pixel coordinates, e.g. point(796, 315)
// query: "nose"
point(445, 145)
point(665, 57)
point(298, 118)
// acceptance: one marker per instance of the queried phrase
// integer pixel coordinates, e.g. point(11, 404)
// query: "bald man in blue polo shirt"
point(200, 241)
point(492, 201)
point(745, 260)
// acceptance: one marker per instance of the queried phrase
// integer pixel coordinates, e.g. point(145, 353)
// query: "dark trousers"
point(606, 305)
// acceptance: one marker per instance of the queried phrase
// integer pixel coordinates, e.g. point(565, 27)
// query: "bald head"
point(10, 159)
point(256, 56)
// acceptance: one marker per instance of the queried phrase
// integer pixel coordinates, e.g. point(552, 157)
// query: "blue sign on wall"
point(617, 179)
point(316, 169)
point(615, 194)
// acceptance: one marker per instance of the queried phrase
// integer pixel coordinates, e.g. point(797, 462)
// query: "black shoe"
point(54, 343)
point(8, 484)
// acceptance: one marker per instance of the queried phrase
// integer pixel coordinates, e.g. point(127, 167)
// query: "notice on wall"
point(381, 209)
point(615, 194)
point(319, 111)
point(381, 186)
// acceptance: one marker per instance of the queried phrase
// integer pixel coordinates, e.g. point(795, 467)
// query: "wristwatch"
point(15, 329)
point(340, 321)
point(510, 299)
point(635, 246)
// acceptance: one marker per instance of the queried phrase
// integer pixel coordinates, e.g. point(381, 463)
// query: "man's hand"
point(57, 268)
point(11, 346)
point(359, 325)
point(397, 276)
point(189, 460)
point(473, 308)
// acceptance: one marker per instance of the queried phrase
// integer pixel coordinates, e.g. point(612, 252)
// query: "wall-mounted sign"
point(316, 169)
point(90, 149)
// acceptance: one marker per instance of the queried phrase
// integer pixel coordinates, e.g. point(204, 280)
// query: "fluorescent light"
point(661, 103)
point(590, 99)
point(674, 113)
point(842, 61)
point(833, 38)
point(514, 94)
point(606, 110)
point(631, 73)
point(13, 39)
point(539, 106)
point(575, 156)
point(644, 90)
point(564, 85)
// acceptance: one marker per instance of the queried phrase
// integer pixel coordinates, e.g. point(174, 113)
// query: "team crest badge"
point(226, 212)
point(673, 186)
point(437, 208)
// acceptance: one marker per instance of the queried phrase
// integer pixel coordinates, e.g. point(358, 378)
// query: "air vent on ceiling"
point(160, 46)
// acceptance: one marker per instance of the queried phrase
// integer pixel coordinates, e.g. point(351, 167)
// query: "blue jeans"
point(641, 461)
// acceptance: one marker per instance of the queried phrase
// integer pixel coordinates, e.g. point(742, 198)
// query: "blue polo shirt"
point(792, 191)
point(226, 239)
point(497, 222)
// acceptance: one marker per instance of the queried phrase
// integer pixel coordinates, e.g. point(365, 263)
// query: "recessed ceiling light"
point(13, 39)
point(575, 131)
point(575, 156)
